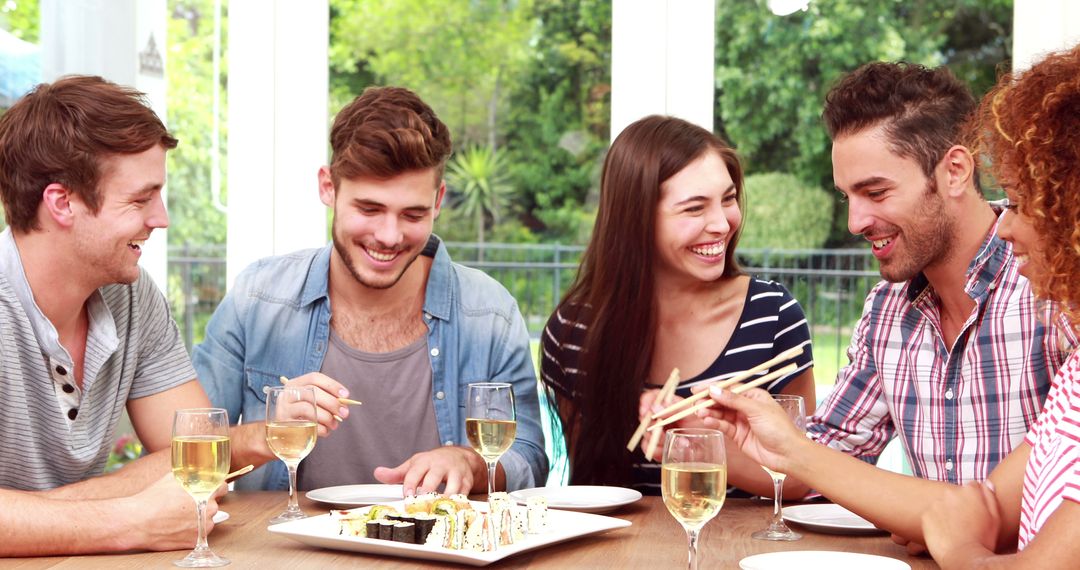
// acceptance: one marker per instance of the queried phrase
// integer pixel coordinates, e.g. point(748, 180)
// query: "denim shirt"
point(276, 322)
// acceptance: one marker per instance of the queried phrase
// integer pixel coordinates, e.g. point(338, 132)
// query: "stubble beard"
point(927, 242)
point(341, 246)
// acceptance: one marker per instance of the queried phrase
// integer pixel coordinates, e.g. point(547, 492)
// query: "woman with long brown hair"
point(659, 288)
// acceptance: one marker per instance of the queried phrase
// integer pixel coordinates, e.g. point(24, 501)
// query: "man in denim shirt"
point(409, 329)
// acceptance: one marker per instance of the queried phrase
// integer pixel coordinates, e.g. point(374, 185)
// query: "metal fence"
point(831, 284)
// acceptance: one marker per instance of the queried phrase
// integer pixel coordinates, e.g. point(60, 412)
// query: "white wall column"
point(662, 60)
point(278, 87)
point(122, 41)
point(1042, 26)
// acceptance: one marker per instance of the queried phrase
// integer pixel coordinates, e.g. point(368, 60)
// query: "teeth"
point(137, 243)
point(711, 250)
point(880, 243)
point(380, 256)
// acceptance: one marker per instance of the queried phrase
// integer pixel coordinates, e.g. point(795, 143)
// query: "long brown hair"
point(614, 291)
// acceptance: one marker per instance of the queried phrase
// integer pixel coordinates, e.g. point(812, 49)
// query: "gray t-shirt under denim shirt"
point(396, 420)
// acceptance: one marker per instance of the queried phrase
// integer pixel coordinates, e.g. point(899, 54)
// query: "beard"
point(926, 241)
point(372, 280)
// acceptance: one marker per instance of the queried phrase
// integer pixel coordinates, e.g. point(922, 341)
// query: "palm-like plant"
point(479, 176)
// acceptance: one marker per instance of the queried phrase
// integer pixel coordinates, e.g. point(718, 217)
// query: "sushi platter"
point(447, 530)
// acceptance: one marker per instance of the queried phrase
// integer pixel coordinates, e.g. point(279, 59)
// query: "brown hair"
point(384, 132)
point(1029, 124)
point(61, 133)
point(924, 110)
point(615, 288)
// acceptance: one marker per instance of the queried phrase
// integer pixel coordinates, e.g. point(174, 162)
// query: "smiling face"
point(1019, 230)
point(892, 204)
point(696, 217)
point(109, 243)
point(380, 227)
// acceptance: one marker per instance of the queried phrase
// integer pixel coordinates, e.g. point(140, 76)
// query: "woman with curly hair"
point(1029, 508)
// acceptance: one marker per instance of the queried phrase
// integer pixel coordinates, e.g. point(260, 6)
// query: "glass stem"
point(293, 504)
point(492, 465)
point(200, 508)
point(692, 543)
point(778, 509)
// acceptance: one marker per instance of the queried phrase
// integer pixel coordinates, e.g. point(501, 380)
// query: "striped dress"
point(1053, 469)
point(771, 322)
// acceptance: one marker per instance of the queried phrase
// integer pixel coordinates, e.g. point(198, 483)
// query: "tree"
point(478, 176)
point(773, 72)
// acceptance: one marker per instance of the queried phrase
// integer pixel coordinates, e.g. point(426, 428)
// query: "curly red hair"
point(1029, 125)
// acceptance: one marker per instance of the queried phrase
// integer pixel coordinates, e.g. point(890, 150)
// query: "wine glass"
point(778, 530)
point(490, 423)
point(291, 430)
point(200, 462)
point(693, 480)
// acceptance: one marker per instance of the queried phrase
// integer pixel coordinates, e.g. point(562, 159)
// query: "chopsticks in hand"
point(344, 401)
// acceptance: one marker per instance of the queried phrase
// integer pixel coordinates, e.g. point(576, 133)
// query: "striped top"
point(960, 409)
point(1053, 468)
point(51, 432)
point(771, 322)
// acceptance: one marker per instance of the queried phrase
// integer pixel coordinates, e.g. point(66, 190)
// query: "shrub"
point(782, 212)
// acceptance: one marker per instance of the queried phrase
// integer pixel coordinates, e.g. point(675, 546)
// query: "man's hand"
point(163, 516)
point(966, 520)
point(327, 392)
point(457, 467)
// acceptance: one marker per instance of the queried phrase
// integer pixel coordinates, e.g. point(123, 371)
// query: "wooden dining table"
point(654, 540)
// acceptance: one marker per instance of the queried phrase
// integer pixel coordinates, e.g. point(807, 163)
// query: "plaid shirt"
point(958, 410)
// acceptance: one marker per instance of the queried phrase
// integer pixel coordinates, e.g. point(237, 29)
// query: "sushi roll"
point(372, 529)
point(386, 529)
point(520, 523)
point(440, 532)
point(420, 503)
point(404, 532)
point(538, 515)
point(424, 524)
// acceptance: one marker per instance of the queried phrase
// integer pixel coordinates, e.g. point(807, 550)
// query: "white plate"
point(220, 517)
point(323, 531)
point(357, 495)
point(829, 518)
point(820, 560)
point(581, 498)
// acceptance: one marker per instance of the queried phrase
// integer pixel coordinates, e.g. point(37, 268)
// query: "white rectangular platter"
point(322, 531)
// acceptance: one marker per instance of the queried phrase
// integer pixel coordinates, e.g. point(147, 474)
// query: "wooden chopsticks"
point(686, 407)
point(344, 401)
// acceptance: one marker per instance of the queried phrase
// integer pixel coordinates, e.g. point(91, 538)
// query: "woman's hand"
point(965, 522)
point(757, 425)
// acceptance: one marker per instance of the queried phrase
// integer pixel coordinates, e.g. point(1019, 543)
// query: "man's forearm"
point(34, 525)
point(129, 479)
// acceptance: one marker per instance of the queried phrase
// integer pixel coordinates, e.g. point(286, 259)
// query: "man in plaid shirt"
point(952, 352)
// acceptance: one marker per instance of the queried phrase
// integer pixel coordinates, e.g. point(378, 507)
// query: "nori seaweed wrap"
point(405, 532)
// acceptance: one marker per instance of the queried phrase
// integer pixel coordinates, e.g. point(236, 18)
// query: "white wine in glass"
point(693, 481)
point(291, 431)
point(778, 529)
point(200, 462)
point(490, 423)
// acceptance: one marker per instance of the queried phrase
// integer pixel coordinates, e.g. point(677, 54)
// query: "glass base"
point(202, 559)
point(288, 515)
point(781, 532)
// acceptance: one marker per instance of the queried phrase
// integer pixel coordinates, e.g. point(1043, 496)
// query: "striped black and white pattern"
point(133, 350)
point(771, 322)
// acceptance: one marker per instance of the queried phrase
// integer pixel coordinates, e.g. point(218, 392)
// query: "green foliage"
point(21, 18)
point(189, 69)
point(782, 212)
point(478, 184)
point(773, 72)
point(559, 120)
point(126, 449)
